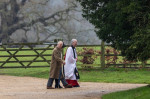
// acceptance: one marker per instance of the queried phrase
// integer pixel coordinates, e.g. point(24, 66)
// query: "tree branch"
point(20, 25)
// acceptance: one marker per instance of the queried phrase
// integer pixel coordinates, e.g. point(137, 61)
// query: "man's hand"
point(76, 59)
point(64, 62)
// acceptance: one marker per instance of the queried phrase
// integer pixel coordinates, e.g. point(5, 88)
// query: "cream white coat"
point(70, 65)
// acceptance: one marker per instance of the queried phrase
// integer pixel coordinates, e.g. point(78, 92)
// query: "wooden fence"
point(106, 57)
point(25, 55)
point(30, 55)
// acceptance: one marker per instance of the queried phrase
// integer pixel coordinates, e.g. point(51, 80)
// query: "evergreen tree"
point(123, 23)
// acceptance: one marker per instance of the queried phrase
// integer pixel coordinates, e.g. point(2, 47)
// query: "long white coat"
point(70, 65)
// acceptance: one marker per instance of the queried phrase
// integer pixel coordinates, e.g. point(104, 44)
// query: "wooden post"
point(102, 55)
point(143, 64)
point(55, 41)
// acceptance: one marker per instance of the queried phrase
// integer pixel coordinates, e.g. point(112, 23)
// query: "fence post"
point(102, 54)
point(143, 64)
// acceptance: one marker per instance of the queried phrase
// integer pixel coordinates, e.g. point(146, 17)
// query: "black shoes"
point(58, 86)
point(76, 86)
point(68, 86)
point(50, 88)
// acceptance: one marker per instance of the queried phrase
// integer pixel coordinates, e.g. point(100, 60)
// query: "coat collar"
point(72, 46)
point(58, 48)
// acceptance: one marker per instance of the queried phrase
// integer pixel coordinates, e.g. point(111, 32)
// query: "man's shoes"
point(76, 86)
point(50, 88)
point(68, 86)
point(58, 86)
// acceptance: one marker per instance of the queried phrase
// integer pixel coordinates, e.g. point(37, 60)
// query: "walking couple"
point(70, 76)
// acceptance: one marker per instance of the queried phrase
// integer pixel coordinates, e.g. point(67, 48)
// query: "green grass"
point(138, 93)
point(31, 72)
point(110, 75)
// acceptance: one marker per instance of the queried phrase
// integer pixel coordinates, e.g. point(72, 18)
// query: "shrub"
point(88, 56)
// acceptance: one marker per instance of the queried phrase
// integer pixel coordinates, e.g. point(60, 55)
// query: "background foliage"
point(123, 23)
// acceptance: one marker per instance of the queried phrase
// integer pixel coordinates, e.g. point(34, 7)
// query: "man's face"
point(74, 43)
point(60, 45)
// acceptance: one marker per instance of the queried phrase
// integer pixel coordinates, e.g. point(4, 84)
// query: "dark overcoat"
point(56, 63)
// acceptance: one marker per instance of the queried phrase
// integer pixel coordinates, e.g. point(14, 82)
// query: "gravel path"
point(12, 87)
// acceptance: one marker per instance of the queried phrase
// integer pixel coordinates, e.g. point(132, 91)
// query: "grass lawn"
point(110, 75)
point(115, 75)
point(138, 93)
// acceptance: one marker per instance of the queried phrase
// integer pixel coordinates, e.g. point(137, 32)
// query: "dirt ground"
point(12, 87)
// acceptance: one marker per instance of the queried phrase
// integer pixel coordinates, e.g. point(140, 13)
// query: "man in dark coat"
point(56, 63)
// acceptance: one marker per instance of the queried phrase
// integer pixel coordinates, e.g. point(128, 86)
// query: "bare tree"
point(13, 17)
point(30, 15)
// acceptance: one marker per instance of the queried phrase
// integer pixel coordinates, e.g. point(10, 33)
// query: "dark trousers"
point(57, 81)
point(50, 82)
point(62, 79)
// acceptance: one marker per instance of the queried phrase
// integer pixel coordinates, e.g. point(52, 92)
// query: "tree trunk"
point(4, 26)
point(8, 18)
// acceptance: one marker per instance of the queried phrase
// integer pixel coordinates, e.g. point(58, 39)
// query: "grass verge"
point(138, 93)
point(110, 75)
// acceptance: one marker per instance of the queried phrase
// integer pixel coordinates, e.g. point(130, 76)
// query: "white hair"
point(59, 42)
point(73, 40)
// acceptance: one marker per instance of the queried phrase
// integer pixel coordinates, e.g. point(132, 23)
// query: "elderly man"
point(71, 72)
point(56, 63)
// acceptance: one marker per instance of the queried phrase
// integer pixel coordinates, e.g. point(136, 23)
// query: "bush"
point(88, 56)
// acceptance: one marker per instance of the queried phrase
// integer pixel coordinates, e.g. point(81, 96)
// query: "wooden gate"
point(25, 55)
